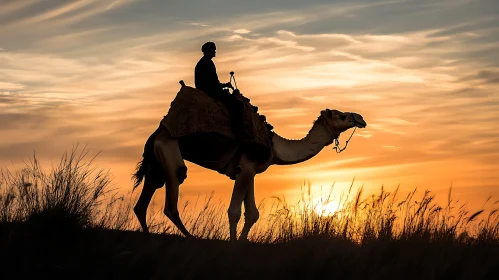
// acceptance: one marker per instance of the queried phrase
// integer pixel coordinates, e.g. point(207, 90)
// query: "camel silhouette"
point(164, 155)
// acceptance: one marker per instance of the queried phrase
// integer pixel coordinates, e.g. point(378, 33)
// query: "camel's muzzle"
point(358, 120)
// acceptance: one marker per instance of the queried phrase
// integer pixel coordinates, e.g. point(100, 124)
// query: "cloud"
point(51, 77)
point(242, 31)
point(477, 26)
point(55, 12)
point(75, 38)
point(302, 15)
point(14, 5)
point(483, 77)
point(391, 147)
point(68, 13)
point(117, 135)
point(4, 86)
point(6, 99)
point(19, 120)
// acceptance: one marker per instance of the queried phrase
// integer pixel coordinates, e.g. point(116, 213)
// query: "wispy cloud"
point(10, 86)
point(15, 5)
point(68, 13)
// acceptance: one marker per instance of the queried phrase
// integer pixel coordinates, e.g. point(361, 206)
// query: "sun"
point(326, 208)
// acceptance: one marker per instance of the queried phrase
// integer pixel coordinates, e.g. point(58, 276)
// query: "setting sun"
point(326, 208)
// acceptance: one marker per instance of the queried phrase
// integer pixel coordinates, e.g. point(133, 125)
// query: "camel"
point(163, 164)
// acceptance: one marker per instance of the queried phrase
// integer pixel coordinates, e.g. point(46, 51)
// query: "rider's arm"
point(207, 78)
point(214, 77)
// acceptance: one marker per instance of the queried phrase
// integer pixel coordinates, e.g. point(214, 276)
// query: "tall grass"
point(76, 194)
point(380, 217)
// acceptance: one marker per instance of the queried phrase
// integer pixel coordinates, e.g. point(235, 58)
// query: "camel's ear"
point(326, 113)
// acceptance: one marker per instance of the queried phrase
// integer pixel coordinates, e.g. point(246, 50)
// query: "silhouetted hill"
point(31, 253)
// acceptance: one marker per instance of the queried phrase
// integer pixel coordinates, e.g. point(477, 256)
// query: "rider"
point(206, 79)
point(205, 73)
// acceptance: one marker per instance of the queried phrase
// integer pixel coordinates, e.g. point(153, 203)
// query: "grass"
point(70, 222)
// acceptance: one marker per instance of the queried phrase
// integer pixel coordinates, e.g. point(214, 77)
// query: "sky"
point(423, 74)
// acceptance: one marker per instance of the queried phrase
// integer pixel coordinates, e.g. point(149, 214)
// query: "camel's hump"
point(193, 111)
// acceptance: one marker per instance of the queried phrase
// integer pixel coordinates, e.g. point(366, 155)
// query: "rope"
point(337, 143)
point(233, 77)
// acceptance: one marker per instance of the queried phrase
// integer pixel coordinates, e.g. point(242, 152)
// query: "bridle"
point(335, 134)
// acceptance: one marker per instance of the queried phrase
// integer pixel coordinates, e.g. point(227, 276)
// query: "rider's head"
point(209, 49)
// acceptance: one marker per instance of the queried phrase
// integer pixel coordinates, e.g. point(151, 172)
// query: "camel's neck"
point(296, 151)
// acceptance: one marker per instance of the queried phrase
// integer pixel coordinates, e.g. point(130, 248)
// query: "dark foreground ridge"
point(44, 253)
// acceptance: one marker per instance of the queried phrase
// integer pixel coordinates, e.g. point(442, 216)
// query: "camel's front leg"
point(244, 180)
point(251, 214)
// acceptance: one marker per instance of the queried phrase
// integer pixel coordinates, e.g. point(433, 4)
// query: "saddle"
point(194, 111)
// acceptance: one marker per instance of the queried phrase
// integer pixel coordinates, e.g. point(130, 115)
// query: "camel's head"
point(338, 122)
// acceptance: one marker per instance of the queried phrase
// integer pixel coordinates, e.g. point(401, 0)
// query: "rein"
point(337, 143)
point(337, 135)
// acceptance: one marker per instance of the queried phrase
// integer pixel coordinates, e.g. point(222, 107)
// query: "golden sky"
point(102, 73)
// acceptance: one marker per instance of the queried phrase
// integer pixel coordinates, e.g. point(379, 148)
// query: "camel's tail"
point(140, 172)
point(147, 158)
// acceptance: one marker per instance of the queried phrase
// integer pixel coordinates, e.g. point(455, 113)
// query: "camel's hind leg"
point(152, 181)
point(171, 206)
point(168, 153)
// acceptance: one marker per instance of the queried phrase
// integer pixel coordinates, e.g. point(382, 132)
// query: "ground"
point(28, 252)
